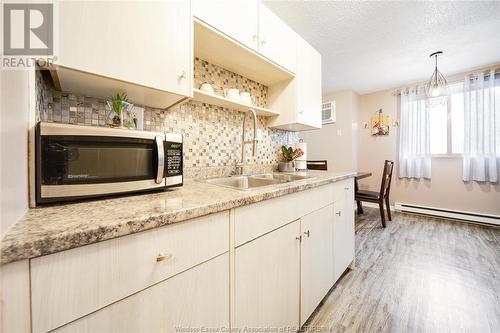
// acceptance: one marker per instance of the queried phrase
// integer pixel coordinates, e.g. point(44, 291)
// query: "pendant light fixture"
point(437, 85)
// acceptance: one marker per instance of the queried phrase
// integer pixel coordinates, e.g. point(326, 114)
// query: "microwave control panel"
point(173, 155)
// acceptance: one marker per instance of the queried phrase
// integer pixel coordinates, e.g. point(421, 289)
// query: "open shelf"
point(215, 47)
point(204, 97)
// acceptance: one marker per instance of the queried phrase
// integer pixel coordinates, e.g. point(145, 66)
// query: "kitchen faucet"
point(240, 167)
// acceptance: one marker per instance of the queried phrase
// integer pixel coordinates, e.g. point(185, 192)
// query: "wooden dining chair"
point(379, 197)
point(317, 165)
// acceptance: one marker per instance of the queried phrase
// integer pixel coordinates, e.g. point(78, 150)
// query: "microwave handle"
point(161, 159)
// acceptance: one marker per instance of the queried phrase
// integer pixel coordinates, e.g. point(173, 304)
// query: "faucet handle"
point(237, 165)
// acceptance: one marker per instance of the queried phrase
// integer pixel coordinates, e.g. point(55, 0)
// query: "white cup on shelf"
point(233, 94)
point(207, 87)
point(245, 98)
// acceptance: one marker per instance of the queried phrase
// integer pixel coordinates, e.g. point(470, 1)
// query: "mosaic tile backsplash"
point(220, 78)
point(212, 135)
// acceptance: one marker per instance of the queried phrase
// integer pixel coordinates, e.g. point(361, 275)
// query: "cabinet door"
point(267, 280)
point(277, 41)
point(299, 100)
point(236, 18)
point(343, 232)
point(143, 42)
point(316, 259)
point(193, 299)
point(309, 85)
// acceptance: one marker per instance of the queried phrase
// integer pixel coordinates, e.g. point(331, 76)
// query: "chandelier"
point(437, 86)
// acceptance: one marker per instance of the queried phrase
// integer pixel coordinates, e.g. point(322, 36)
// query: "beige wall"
point(444, 190)
point(14, 121)
point(326, 144)
point(357, 150)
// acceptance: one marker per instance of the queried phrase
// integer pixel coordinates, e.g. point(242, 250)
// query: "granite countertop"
point(52, 229)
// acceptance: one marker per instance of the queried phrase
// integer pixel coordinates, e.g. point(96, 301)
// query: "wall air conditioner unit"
point(328, 113)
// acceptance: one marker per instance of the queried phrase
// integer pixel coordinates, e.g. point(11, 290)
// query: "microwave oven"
point(77, 162)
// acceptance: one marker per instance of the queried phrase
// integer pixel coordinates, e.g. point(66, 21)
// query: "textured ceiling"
point(370, 46)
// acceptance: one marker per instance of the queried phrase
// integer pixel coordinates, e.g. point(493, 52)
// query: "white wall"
point(339, 149)
point(17, 89)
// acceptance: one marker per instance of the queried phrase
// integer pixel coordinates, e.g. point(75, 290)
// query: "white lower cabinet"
point(186, 302)
point(343, 233)
point(266, 287)
point(70, 284)
point(281, 276)
point(316, 259)
point(262, 266)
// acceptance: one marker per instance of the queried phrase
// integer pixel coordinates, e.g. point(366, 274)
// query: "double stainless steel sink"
point(256, 181)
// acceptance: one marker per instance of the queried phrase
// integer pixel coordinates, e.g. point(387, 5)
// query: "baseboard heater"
point(448, 213)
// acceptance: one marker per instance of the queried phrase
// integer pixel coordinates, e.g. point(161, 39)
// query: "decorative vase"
point(286, 166)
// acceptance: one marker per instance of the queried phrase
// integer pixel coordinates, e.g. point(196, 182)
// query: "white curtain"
point(481, 156)
point(414, 136)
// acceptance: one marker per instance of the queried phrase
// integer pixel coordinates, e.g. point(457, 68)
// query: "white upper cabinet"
point(236, 18)
point(299, 100)
point(277, 41)
point(309, 85)
point(148, 43)
point(252, 24)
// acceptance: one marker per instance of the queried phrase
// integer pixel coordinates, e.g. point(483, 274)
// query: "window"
point(438, 119)
point(447, 122)
point(457, 122)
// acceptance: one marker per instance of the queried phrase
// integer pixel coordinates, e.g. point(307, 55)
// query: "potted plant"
point(119, 107)
point(289, 157)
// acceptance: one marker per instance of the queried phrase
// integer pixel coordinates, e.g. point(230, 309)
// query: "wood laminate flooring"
point(420, 274)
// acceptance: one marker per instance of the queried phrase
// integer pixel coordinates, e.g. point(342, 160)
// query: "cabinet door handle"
point(162, 256)
point(263, 42)
point(254, 37)
point(183, 75)
point(307, 233)
point(346, 188)
point(301, 112)
point(299, 238)
point(339, 213)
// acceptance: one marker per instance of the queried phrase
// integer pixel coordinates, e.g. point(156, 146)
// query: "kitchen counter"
point(52, 229)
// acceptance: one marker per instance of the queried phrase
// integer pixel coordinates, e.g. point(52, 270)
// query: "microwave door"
point(76, 166)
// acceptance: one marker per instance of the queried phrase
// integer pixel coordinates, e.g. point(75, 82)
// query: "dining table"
point(359, 175)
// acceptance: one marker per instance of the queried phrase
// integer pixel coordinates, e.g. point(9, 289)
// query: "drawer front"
point(255, 220)
point(73, 283)
point(344, 189)
point(196, 298)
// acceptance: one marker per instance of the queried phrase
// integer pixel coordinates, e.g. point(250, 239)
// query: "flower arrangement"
point(289, 154)
point(289, 157)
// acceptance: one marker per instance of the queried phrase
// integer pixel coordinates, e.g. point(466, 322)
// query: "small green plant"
point(289, 154)
point(118, 103)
